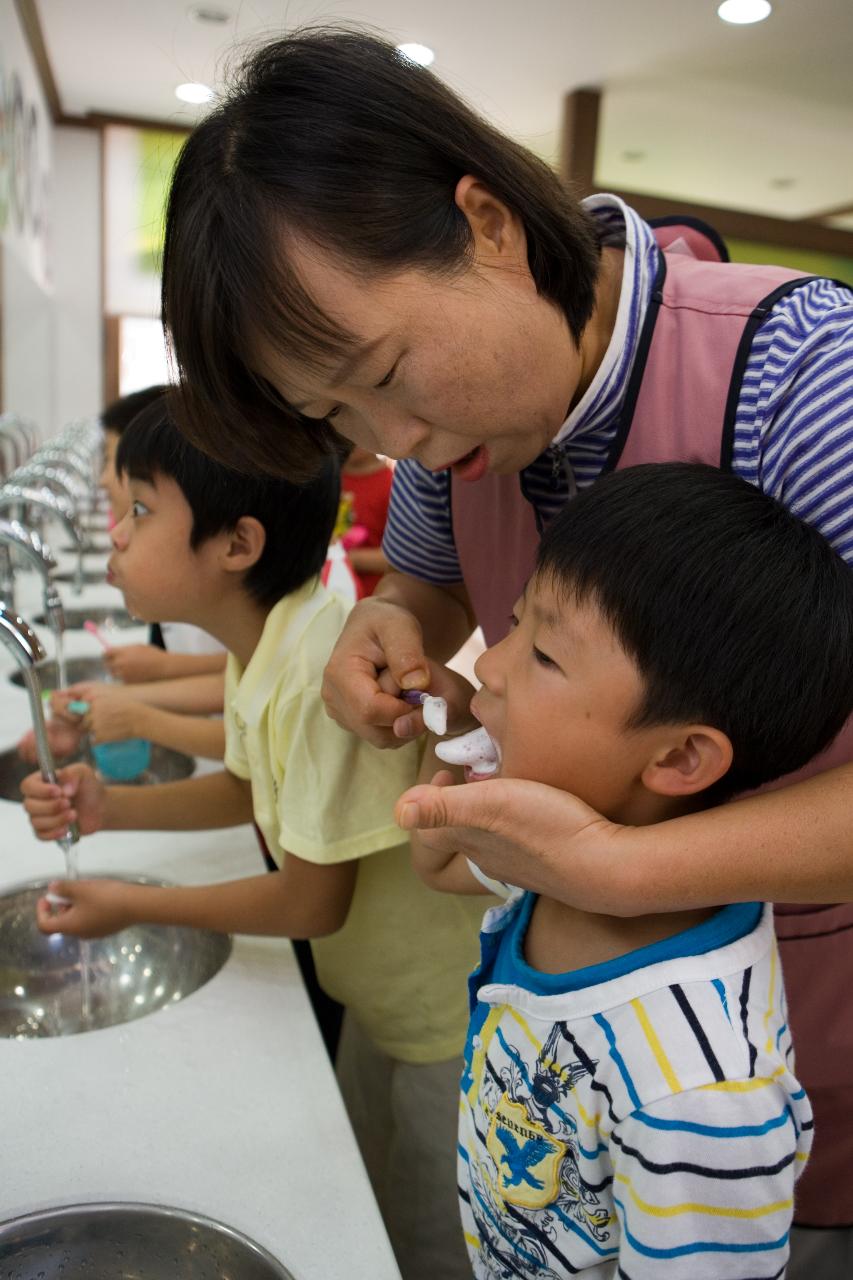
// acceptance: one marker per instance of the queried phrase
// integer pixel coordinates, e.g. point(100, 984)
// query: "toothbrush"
point(434, 709)
point(93, 630)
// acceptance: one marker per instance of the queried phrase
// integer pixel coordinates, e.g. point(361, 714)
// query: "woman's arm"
point(791, 845)
point(302, 900)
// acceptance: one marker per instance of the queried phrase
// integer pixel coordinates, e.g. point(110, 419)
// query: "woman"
point(349, 249)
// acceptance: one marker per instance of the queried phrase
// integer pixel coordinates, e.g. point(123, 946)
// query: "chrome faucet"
point(56, 476)
point(13, 536)
point(14, 494)
point(26, 650)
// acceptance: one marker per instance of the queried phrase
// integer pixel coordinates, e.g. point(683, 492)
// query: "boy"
point(241, 556)
point(628, 1102)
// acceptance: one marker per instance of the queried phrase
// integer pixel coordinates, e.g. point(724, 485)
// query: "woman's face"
point(474, 371)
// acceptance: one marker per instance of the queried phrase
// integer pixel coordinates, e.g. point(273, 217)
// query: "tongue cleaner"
point(434, 709)
point(476, 749)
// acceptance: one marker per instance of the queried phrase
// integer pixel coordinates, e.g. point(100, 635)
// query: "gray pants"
point(405, 1118)
point(818, 1254)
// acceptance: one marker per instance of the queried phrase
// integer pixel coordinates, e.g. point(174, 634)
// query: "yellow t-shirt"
point(401, 960)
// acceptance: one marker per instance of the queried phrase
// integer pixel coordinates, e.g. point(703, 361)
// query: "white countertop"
point(224, 1104)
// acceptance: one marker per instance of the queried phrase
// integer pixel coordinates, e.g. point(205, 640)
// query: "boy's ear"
point(245, 545)
point(700, 758)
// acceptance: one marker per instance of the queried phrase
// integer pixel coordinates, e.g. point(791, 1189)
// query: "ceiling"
point(758, 118)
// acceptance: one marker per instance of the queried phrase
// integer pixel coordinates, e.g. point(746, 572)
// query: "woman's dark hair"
point(298, 519)
point(121, 412)
point(334, 136)
point(738, 614)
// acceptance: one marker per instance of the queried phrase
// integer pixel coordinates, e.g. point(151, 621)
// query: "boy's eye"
point(139, 508)
point(542, 658)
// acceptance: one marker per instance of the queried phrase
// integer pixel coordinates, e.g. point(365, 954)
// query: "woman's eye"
point(513, 622)
point(333, 413)
point(542, 658)
point(388, 376)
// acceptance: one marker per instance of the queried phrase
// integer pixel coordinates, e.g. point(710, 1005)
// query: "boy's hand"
point(114, 717)
point(63, 739)
point(85, 691)
point(78, 797)
point(96, 908)
point(137, 663)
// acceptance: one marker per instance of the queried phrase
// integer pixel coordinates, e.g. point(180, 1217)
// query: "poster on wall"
point(25, 153)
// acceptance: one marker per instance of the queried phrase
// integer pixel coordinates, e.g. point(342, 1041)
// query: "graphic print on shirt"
point(525, 1178)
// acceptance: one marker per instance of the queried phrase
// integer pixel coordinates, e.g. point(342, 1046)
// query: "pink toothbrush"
point(93, 630)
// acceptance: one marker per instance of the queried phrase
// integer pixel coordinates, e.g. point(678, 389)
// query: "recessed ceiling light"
point(201, 13)
point(633, 157)
point(194, 92)
point(418, 53)
point(782, 184)
point(742, 12)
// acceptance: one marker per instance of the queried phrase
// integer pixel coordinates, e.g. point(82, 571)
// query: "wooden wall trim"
point(579, 139)
point(29, 19)
point(112, 358)
point(789, 232)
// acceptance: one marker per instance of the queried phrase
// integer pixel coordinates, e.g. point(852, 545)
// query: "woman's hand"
point(529, 835)
point(380, 652)
point(77, 796)
point(95, 908)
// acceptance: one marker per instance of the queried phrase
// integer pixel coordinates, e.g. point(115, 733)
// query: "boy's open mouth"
point(476, 751)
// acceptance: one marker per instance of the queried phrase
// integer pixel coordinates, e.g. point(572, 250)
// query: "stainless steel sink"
point(142, 1241)
point(165, 766)
point(99, 614)
point(131, 974)
point(76, 668)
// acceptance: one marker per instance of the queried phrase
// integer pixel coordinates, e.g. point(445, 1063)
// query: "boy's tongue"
point(476, 750)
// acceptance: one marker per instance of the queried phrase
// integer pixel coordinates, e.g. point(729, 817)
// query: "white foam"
point(475, 749)
point(435, 714)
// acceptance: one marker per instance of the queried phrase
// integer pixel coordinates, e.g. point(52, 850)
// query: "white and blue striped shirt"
point(793, 427)
point(637, 1119)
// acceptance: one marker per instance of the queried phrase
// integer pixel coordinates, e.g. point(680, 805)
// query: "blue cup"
point(122, 761)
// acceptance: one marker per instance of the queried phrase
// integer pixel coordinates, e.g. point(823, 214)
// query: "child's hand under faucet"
point(77, 796)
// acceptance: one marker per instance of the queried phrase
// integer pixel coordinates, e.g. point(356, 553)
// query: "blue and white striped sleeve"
point(794, 424)
point(703, 1183)
point(418, 537)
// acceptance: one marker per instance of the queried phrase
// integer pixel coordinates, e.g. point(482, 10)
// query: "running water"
point(61, 665)
point(69, 848)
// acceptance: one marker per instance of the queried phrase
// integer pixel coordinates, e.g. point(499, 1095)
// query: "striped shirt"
point(636, 1119)
point(793, 427)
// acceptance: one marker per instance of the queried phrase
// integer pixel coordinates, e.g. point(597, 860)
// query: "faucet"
point(26, 650)
point(13, 494)
point(54, 476)
point(13, 536)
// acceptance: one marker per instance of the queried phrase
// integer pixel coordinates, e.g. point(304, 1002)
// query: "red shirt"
point(371, 493)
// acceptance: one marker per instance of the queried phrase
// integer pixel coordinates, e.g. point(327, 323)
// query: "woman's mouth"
point(472, 466)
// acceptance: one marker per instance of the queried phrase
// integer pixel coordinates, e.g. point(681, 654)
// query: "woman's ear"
point(245, 545)
point(699, 758)
point(498, 233)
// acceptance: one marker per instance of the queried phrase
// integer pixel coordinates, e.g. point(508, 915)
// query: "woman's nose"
point(399, 435)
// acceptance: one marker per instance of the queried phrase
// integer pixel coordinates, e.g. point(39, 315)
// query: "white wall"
point(76, 227)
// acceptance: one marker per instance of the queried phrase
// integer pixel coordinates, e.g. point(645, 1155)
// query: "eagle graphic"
point(520, 1159)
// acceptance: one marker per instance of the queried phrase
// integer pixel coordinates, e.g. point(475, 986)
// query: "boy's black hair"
point(738, 614)
point(298, 519)
point(332, 136)
point(121, 412)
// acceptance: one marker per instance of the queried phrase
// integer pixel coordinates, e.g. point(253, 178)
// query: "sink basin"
point(90, 576)
point(142, 1241)
point(133, 973)
point(101, 616)
point(77, 669)
point(165, 766)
